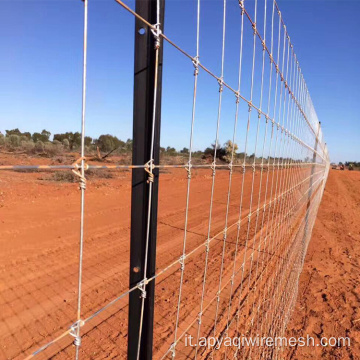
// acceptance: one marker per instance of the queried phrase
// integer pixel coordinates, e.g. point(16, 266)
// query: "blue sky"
point(41, 67)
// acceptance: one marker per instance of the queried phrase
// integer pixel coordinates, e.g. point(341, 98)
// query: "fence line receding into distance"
point(234, 264)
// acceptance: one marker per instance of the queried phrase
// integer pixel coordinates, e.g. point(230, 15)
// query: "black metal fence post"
point(144, 76)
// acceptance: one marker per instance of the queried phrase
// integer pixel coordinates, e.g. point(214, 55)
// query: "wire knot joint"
point(230, 166)
point(156, 31)
point(182, 262)
point(149, 167)
point(221, 84)
point(142, 286)
point(242, 7)
point(80, 164)
point(188, 169)
point(196, 62)
point(213, 168)
point(75, 331)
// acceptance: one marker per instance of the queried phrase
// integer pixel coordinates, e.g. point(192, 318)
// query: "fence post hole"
point(144, 76)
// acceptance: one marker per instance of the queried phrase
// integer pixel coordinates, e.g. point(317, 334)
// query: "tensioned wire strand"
point(281, 236)
point(280, 199)
point(250, 271)
point(220, 80)
point(235, 126)
point(267, 241)
point(276, 234)
point(120, 2)
point(205, 243)
point(279, 178)
point(277, 145)
point(262, 155)
point(253, 175)
point(244, 170)
point(273, 276)
point(152, 27)
point(228, 193)
point(287, 231)
point(274, 116)
point(270, 145)
point(223, 287)
point(101, 310)
point(274, 328)
point(82, 185)
point(283, 294)
point(196, 73)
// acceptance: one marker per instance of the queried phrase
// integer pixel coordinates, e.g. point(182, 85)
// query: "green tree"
point(13, 132)
point(27, 135)
point(128, 145)
point(46, 134)
point(43, 136)
point(109, 143)
point(74, 139)
point(88, 140)
point(170, 150)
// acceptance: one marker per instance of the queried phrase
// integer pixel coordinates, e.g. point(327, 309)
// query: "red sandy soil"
point(39, 244)
point(328, 303)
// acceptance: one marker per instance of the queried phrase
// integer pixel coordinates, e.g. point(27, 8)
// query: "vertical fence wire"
point(235, 127)
point(196, 73)
point(207, 248)
point(82, 186)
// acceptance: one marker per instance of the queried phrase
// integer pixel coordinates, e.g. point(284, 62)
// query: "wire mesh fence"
point(232, 241)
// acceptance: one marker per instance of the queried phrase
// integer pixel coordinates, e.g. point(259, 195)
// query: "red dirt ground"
point(39, 255)
point(328, 303)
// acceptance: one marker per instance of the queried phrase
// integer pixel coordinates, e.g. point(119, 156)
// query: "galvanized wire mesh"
point(237, 272)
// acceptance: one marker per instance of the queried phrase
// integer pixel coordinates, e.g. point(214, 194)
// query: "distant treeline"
point(354, 163)
point(71, 141)
point(39, 142)
point(347, 163)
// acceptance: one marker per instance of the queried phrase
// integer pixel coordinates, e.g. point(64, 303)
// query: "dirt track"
point(328, 303)
point(39, 256)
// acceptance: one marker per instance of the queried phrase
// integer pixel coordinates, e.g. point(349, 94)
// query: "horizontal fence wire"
point(246, 264)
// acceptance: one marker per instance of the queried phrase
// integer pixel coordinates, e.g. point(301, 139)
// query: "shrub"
point(2, 139)
point(39, 146)
point(28, 146)
point(59, 148)
point(66, 143)
point(14, 140)
point(52, 149)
